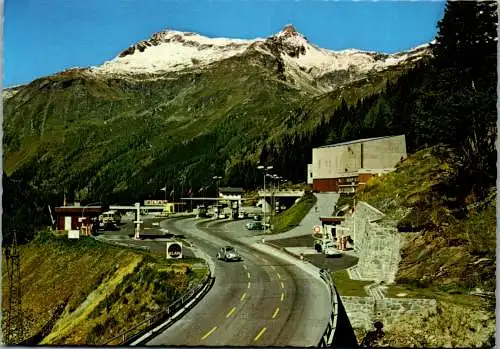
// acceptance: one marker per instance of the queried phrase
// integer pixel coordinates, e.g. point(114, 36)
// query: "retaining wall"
point(364, 311)
point(378, 246)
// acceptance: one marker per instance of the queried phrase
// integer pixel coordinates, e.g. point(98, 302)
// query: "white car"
point(331, 251)
point(228, 253)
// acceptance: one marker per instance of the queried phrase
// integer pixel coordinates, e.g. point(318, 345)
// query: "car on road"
point(228, 253)
point(254, 226)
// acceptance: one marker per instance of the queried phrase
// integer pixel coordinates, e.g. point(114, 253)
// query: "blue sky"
point(42, 37)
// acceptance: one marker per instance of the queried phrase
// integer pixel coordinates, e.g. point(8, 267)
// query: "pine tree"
point(467, 37)
point(464, 93)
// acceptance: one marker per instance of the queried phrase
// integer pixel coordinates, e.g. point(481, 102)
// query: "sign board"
point(73, 234)
point(317, 231)
point(174, 250)
point(155, 202)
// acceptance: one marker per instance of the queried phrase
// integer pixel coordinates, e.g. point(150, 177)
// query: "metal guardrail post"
point(329, 334)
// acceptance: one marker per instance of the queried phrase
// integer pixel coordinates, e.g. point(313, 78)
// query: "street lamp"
point(265, 169)
point(217, 179)
point(276, 180)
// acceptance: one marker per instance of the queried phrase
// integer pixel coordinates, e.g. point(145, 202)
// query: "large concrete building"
point(343, 167)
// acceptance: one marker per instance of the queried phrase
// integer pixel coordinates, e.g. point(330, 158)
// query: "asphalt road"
point(261, 301)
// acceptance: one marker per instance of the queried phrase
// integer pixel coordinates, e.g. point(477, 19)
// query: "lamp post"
point(277, 179)
point(265, 169)
point(217, 180)
point(273, 184)
point(182, 180)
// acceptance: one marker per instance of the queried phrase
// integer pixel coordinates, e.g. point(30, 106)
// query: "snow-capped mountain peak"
point(291, 36)
point(171, 50)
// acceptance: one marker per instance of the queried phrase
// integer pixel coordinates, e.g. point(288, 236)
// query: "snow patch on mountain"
point(173, 51)
point(170, 51)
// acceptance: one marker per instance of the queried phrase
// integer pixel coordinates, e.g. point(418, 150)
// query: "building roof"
point(79, 209)
point(357, 141)
point(231, 190)
point(334, 219)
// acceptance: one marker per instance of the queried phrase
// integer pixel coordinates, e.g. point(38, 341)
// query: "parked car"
point(327, 247)
point(221, 216)
point(257, 217)
point(228, 253)
point(241, 215)
point(254, 226)
point(331, 251)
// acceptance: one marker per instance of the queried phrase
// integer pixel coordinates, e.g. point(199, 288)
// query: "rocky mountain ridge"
point(301, 62)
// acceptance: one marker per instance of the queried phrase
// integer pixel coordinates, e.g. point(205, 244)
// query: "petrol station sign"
point(174, 250)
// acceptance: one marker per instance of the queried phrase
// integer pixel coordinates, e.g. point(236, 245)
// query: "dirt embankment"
point(86, 292)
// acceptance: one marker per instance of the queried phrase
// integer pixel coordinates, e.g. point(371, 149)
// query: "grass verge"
point(348, 287)
point(291, 218)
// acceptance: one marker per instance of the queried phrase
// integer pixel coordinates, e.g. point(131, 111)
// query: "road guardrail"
point(151, 326)
point(329, 334)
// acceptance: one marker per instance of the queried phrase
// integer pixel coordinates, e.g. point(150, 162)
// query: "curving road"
point(265, 300)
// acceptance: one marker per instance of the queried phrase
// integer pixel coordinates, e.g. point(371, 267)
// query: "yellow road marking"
point(272, 267)
point(244, 267)
point(209, 332)
point(282, 286)
point(260, 334)
point(279, 276)
point(276, 312)
point(243, 296)
point(249, 285)
point(248, 275)
point(231, 312)
point(282, 296)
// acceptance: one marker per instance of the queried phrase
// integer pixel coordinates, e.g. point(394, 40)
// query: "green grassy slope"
point(292, 217)
point(455, 246)
point(449, 252)
point(85, 292)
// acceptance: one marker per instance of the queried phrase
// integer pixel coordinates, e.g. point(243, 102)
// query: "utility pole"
point(13, 328)
point(265, 169)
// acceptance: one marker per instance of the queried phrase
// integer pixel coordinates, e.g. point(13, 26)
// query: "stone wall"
point(380, 253)
point(388, 310)
point(364, 311)
point(359, 311)
point(378, 246)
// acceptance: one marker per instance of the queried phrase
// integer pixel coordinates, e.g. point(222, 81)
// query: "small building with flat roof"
point(342, 167)
point(73, 217)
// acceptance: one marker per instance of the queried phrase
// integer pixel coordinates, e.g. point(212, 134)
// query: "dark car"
point(228, 253)
point(255, 226)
